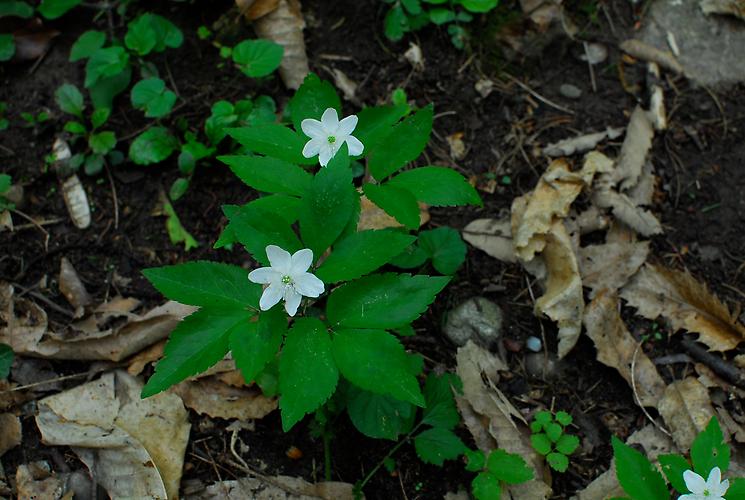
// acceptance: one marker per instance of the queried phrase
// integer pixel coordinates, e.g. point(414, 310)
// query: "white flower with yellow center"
point(711, 489)
point(288, 278)
point(328, 135)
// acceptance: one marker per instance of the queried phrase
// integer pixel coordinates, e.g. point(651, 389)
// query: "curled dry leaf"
point(374, 217)
point(493, 236)
point(36, 480)
point(77, 202)
point(646, 52)
point(617, 348)
point(624, 209)
point(72, 287)
point(688, 304)
point(643, 193)
point(582, 143)
point(609, 266)
point(456, 145)
point(728, 7)
point(254, 9)
point(284, 26)
point(218, 400)
point(636, 146)
point(10, 432)
point(133, 447)
point(275, 488)
point(686, 409)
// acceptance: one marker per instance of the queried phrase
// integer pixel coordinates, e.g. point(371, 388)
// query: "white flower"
point(711, 489)
point(328, 136)
point(288, 278)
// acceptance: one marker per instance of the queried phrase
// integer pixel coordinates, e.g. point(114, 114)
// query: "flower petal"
point(324, 155)
point(689, 496)
point(279, 259)
point(694, 482)
point(347, 125)
point(270, 297)
point(330, 121)
point(264, 275)
point(313, 128)
point(355, 146)
point(721, 489)
point(311, 148)
point(308, 284)
point(301, 261)
point(292, 301)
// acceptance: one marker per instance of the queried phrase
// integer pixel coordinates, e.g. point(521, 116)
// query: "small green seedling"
point(655, 335)
point(494, 471)
point(5, 184)
point(34, 120)
point(6, 360)
point(550, 439)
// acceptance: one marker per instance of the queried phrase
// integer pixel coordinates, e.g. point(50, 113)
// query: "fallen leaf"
point(456, 145)
point(616, 348)
point(646, 52)
point(374, 217)
point(10, 432)
point(642, 193)
point(284, 26)
point(414, 55)
point(347, 86)
point(72, 287)
point(609, 266)
point(77, 202)
point(134, 447)
point(624, 209)
point(33, 41)
point(37, 481)
point(582, 143)
point(275, 488)
point(636, 146)
point(731, 7)
point(218, 400)
point(139, 361)
point(254, 9)
point(493, 236)
point(688, 304)
point(686, 409)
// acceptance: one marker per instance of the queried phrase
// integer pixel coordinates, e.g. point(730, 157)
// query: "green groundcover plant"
point(319, 322)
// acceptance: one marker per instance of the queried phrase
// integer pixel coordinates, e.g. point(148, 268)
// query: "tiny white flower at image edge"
point(287, 278)
point(328, 135)
point(712, 488)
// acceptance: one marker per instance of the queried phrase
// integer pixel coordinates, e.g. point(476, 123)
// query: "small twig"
point(589, 67)
point(45, 382)
point(42, 298)
point(636, 393)
point(47, 222)
point(718, 365)
point(538, 96)
point(253, 472)
point(113, 198)
point(36, 224)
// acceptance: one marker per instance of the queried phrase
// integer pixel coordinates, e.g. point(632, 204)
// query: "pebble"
point(570, 91)
point(594, 53)
point(477, 319)
point(533, 344)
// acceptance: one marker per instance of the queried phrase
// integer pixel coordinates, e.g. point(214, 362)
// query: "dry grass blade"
point(285, 26)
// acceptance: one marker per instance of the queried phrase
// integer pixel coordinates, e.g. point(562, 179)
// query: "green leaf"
point(11, 8)
point(105, 63)
point(313, 98)
point(379, 416)
point(106, 89)
point(479, 6)
point(326, 205)
point(567, 444)
point(438, 186)
point(7, 47)
point(168, 33)
point(436, 445)
point(508, 467)
point(475, 460)
point(5, 182)
point(152, 146)
point(272, 139)
point(88, 43)
point(362, 253)
point(674, 466)
point(177, 233)
point(102, 142)
point(541, 443)
point(543, 417)
point(257, 58)
point(445, 247)
point(307, 373)
point(286, 207)
point(563, 418)
point(52, 9)
point(441, 16)
point(257, 344)
point(152, 96)
point(6, 360)
point(404, 143)
point(559, 462)
point(440, 410)
point(411, 258)
point(206, 284)
point(638, 477)
point(222, 115)
point(709, 450)
point(395, 24)
point(198, 342)
point(383, 300)
point(374, 360)
point(69, 99)
point(412, 6)
point(255, 228)
point(268, 174)
point(374, 124)
point(553, 431)
point(93, 164)
point(100, 116)
point(178, 188)
point(486, 486)
point(150, 32)
point(398, 203)
point(736, 489)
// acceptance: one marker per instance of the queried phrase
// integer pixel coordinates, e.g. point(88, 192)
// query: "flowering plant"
point(342, 340)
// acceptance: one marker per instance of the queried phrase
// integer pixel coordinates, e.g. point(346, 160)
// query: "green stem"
point(326, 455)
point(389, 455)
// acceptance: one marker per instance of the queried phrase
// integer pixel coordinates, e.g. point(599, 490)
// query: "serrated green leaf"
point(553, 431)
point(362, 253)
point(567, 444)
point(543, 417)
point(438, 186)
point(709, 450)
point(436, 445)
point(558, 462)
point(52, 9)
point(398, 203)
point(152, 146)
point(383, 300)
point(673, 466)
point(151, 96)
point(541, 443)
point(374, 360)
point(440, 410)
point(411, 258)
point(69, 99)
point(206, 284)
point(563, 418)
point(105, 63)
point(6, 360)
point(475, 460)
point(312, 98)
point(272, 139)
point(307, 372)
point(102, 142)
point(87, 44)
point(255, 228)
point(257, 344)
point(379, 416)
point(374, 124)
point(638, 477)
point(485, 486)
point(257, 58)
point(445, 247)
point(197, 343)
point(12, 8)
point(287, 207)
point(404, 143)
point(7, 47)
point(508, 467)
point(268, 174)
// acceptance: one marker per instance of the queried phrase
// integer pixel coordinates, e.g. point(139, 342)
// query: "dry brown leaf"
point(643, 193)
point(731, 7)
point(218, 400)
point(37, 481)
point(133, 447)
point(347, 86)
point(456, 145)
point(10, 432)
point(624, 209)
point(138, 362)
point(493, 236)
point(275, 488)
point(72, 287)
point(646, 52)
point(374, 217)
point(254, 9)
point(609, 266)
point(233, 378)
point(686, 409)
point(636, 145)
point(582, 143)
point(685, 302)
point(616, 348)
point(284, 26)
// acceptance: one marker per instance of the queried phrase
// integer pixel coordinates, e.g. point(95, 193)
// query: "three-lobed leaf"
point(638, 477)
point(403, 143)
point(105, 63)
point(445, 247)
point(438, 186)
point(102, 142)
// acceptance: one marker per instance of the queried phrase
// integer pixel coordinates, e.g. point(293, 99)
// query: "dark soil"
point(700, 203)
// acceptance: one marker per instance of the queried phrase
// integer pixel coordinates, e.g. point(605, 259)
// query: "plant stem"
point(389, 455)
point(326, 455)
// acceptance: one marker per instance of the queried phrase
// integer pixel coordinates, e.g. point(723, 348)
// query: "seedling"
point(5, 184)
point(494, 471)
point(550, 439)
point(34, 120)
point(6, 360)
point(254, 58)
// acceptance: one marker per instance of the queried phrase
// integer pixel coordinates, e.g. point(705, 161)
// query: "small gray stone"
point(543, 366)
point(477, 319)
point(570, 91)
